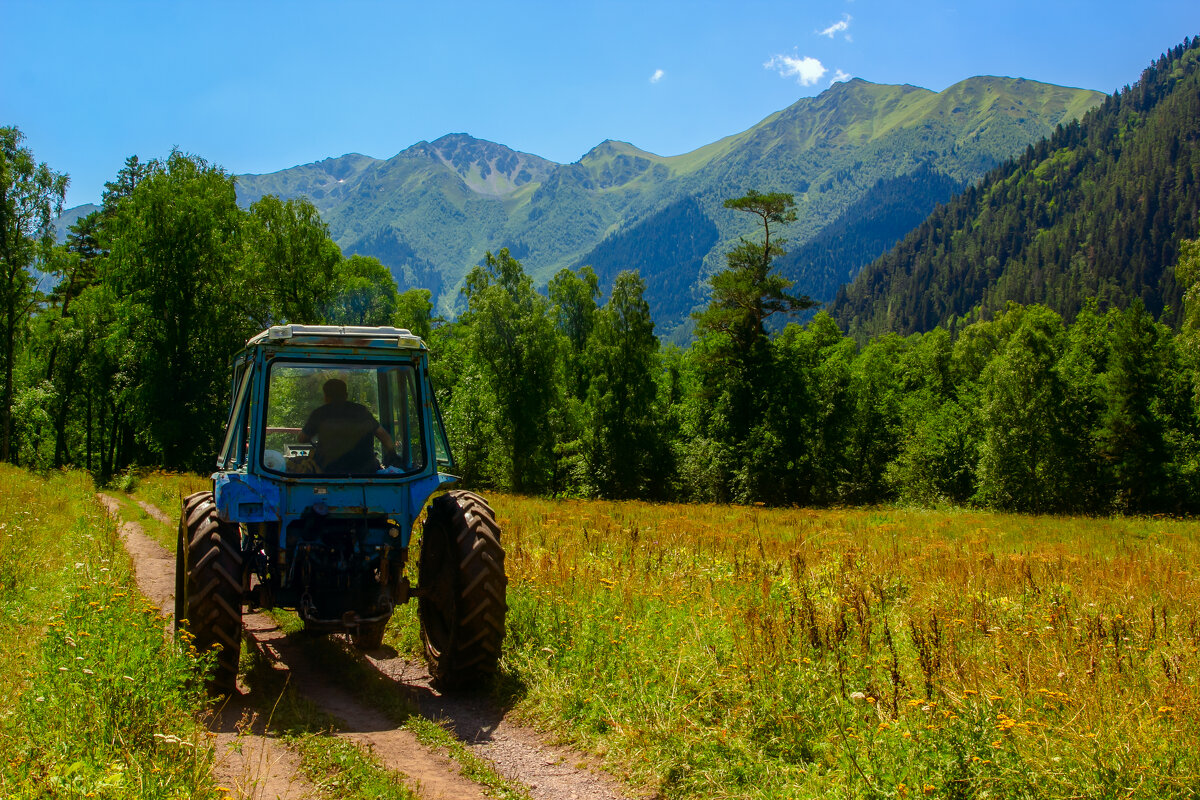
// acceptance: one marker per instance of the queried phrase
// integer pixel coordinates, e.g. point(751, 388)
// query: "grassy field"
point(93, 701)
point(711, 651)
point(725, 651)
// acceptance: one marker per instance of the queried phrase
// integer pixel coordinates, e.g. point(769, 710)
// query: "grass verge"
point(96, 702)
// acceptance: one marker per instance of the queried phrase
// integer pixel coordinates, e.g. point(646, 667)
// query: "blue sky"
point(262, 86)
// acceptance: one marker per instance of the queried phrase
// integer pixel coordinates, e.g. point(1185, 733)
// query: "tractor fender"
point(419, 493)
point(246, 498)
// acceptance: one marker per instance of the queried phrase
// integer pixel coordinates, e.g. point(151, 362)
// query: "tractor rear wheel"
point(208, 586)
point(462, 600)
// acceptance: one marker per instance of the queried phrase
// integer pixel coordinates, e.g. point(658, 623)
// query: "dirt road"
point(256, 765)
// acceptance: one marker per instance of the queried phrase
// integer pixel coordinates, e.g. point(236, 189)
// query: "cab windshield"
point(343, 419)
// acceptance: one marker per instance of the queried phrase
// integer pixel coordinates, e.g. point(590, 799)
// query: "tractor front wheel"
point(462, 599)
point(208, 586)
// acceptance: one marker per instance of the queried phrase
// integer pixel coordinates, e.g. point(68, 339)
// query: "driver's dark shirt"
point(344, 433)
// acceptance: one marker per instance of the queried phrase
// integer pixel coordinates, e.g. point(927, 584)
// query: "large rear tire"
point(463, 586)
point(208, 587)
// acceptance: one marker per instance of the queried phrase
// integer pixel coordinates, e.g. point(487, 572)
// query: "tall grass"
point(723, 651)
point(96, 703)
point(161, 489)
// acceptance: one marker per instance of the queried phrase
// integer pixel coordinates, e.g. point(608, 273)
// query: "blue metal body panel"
point(246, 498)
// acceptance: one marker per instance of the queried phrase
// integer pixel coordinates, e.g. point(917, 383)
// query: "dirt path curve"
point(266, 768)
point(254, 766)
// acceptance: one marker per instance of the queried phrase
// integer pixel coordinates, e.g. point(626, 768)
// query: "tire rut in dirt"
point(517, 753)
point(360, 721)
point(208, 586)
point(463, 605)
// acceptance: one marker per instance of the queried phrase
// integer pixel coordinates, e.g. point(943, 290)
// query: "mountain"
point(433, 210)
point(669, 247)
point(64, 221)
point(1096, 210)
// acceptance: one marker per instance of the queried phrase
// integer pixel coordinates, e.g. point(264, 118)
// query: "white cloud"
point(657, 76)
point(839, 76)
point(837, 27)
point(807, 70)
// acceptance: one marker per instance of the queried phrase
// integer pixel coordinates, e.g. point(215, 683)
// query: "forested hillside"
point(868, 228)
point(431, 212)
point(671, 246)
point(1096, 210)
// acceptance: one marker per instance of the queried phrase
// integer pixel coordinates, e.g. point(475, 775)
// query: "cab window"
point(342, 419)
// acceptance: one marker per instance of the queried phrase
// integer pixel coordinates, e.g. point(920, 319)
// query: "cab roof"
point(338, 336)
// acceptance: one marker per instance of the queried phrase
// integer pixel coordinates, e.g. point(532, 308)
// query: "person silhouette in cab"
point(342, 432)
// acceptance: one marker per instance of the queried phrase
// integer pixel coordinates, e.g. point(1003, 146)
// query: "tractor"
point(333, 447)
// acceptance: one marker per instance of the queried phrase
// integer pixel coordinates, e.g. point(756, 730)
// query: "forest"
point(1096, 210)
point(115, 349)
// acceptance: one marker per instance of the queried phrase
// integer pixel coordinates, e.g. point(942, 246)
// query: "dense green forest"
point(115, 346)
point(866, 230)
point(1097, 210)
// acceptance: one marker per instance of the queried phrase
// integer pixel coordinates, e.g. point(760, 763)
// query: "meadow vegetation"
point(94, 700)
point(718, 651)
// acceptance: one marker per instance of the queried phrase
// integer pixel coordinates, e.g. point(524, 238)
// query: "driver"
point(342, 432)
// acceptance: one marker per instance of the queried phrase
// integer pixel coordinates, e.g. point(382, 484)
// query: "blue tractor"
point(333, 447)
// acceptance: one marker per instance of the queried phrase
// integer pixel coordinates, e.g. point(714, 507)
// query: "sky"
point(257, 87)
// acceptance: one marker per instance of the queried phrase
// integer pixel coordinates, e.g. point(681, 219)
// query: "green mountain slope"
point(1097, 210)
point(433, 210)
point(866, 230)
point(667, 248)
point(324, 182)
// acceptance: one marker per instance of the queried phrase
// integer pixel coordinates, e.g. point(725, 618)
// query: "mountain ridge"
point(445, 203)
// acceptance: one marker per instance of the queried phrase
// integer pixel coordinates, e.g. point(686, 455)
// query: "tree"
point(624, 437)
point(574, 312)
point(801, 450)
point(31, 195)
point(734, 347)
point(1132, 435)
point(573, 305)
point(747, 293)
point(174, 278)
point(364, 293)
point(1025, 460)
point(515, 345)
point(128, 177)
point(414, 311)
point(291, 263)
point(1187, 275)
